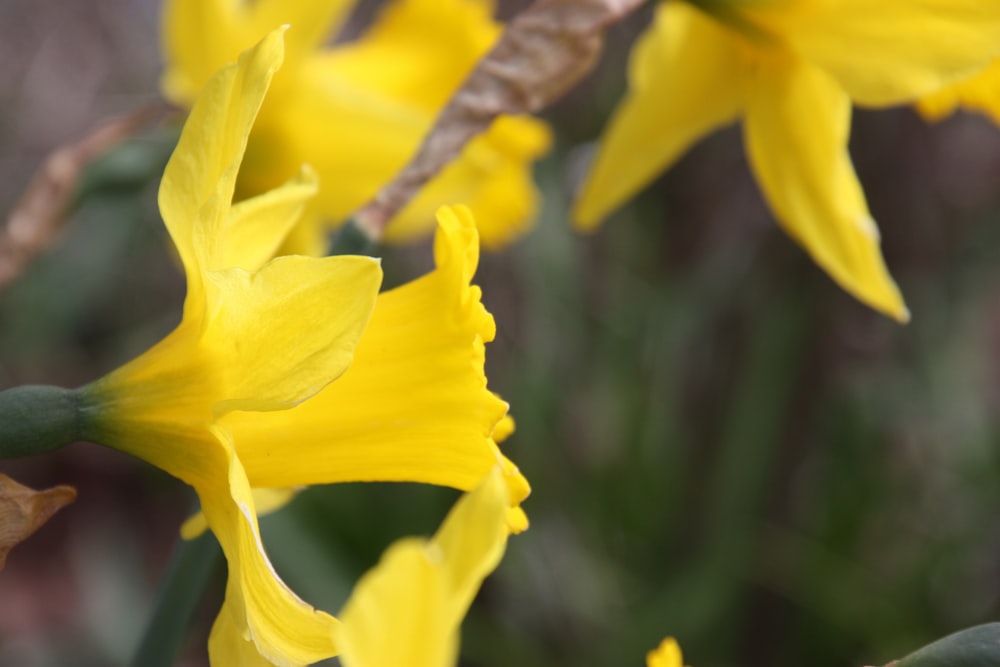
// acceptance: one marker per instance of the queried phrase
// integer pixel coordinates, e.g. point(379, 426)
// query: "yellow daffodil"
point(357, 111)
point(667, 654)
point(979, 92)
point(789, 69)
point(260, 335)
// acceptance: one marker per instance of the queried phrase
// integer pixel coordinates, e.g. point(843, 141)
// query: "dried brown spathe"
point(24, 510)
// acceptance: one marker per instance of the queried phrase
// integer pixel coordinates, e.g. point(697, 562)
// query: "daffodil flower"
point(357, 111)
point(261, 335)
point(789, 69)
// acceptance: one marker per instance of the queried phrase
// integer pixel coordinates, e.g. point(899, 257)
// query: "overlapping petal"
point(200, 36)
point(421, 590)
point(413, 406)
point(356, 112)
point(796, 127)
point(685, 80)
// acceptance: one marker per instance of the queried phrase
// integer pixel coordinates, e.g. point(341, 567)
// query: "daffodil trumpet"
point(286, 370)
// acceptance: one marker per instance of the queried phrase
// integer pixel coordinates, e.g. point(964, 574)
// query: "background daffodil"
point(789, 69)
point(261, 335)
point(357, 111)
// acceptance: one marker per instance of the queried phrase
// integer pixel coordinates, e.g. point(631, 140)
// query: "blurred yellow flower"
point(789, 69)
point(667, 654)
point(356, 111)
point(979, 92)
point(259, 336)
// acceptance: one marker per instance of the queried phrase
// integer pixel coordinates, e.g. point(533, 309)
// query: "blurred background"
point(723, 445)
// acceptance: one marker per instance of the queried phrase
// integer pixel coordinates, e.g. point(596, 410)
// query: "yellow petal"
point(413, 406)
point(379, 96)
point(684, 81)
point(281, 334)
point(667, 654)
point(257, 227)
point(265, 500)
point(201, 36)
point(980, 92)
point(227, 646)
point(420, 591)
point(284, 629)
point(492, 176)
point(418, 50)
point(797, 125)
point(890, 51)
point(197, 187)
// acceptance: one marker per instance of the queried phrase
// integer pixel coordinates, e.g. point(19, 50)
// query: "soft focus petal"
point(200, 36)
point(492, 176)
point(284, 629)
point(197, 187)
point(413, 406)
point(257, 227)
point(890, 51)
point(980, 92)
point(418, 50)
point(265, 500)
point(377, 134)
point(684, 81)
point(667, 654)
point(797, 125)
point(281, 334)
point(420, 591)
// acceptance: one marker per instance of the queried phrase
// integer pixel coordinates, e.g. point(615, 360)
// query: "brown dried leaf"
point(39, 214)
point(544, 51)
point(24, 510)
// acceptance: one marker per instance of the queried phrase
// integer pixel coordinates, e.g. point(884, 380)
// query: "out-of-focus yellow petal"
point(667, 654)
point(980, 92)
point(200, 36)
point(284, 629)
point(197, 187)
point(684, 81)
point(265, 500)
point(413, 406)
point(279, 335)
point(420, 591)
point(492, 177)
point(796, 127)
point(257, 227)
point(376, 135)
point(889, 51)
point(418, 50)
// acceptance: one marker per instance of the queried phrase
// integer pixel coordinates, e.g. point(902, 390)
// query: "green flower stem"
point(191, 568)
point(35, 419)
point(351, 240)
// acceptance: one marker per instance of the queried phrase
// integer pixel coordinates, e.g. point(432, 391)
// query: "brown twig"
point(38, 216)
point(544, 51)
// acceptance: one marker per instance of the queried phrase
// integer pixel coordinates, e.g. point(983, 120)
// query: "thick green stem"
point(35, 419)
point(191, 567)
